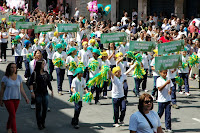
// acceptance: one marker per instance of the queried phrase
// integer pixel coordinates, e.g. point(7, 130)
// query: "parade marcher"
point(13, 32)
point(40, 93)
point(164, 86)
point(78, 85)
point(36, 45)
point(3, 44)
point(10, 94)
point(50, 52)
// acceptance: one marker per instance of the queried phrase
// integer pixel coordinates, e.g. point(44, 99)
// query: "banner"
point(25, 25)
point(68, 27)
point(113, 37)
point(142, 46)
point(168, 62)
point(170, 47)
point(43, 28)
point(14, 18)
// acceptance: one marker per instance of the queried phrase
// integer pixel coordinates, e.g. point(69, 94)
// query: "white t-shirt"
point(25, 52)
point(163, 95)
point(68, 60)
point(78, 86)
point(123, 66)
point(123, 20)
point(186, 70)
point(92, 73)
point(134, 14)
point(165, 27)
point(117, 86)
point(85, 55)
point(155, 73)
point(13, 31)
point(62, 55)
point(23, 39)
point(139, 123)
point(3, 40)
point(112, 60)
point(145, 61)
point(49, 53)
point(35, 47)
point(170, 74)
point(17, 49)
point(124, 49)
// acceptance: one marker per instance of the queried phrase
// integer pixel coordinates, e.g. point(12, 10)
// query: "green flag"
point(68, 27)
point(170, 47)
point(168, 62)
point(113, 37)
point(142, 46)
point(43, 28)
point(25, 25)
point(14, 18)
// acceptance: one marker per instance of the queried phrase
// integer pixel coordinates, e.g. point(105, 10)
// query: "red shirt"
point(193, 28)
point(164, 40)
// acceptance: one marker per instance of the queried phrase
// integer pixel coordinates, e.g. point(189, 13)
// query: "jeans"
point(77, 110)
point(86, 74)
point(119, 104)
point(97, 89)
point(70, 77)
point(155, 90)
point(11, 106)
point(173, 95)
point(60, 77)
point(51, 68)
point(104, 88)
point(184, 76)
point(27, 71)
point(3, 50)
point(137, 86)
point(167, 108)
point(111, 67)
point(41, 107)
point(18, 61)
point(125, 87)
point(144, 80)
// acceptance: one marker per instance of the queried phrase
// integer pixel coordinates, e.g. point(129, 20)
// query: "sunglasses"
point(147, 102)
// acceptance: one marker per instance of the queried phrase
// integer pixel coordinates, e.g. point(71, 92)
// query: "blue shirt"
point(12, 88)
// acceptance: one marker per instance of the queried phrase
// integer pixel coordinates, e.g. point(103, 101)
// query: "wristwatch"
point(31, 91)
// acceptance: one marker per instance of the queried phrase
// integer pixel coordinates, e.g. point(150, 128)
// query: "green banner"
point(170, 47)
point(142, 46)
point(14, 18)
point(113, 37)
point(25, 25)
point(168, 62)
point(68, 27)
point(43, 28)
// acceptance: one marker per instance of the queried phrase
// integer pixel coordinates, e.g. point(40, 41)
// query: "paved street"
point(98, 118)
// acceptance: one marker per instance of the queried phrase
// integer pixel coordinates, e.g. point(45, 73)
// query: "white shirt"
point(134, 14)
point(25, 52)
point(165, 27)
point(3, 40)
point(186, 70)
point(124, 49)
point(112, 60)
point(23, 39)
point(78, 86)
point(84, 55)
point(139, 123)
point(123, 66)
point(35, 47)
point(145, 61)
point(76, 15)
point(49, 53)
point(13, 31)
point(117, 86)
point(92, 73)
point(155, 19)
point(170, 74)
point(62, 55)
point(123, 20)
point(17, 49)
point(155, 73)
point(163, 95)
point(68, 60)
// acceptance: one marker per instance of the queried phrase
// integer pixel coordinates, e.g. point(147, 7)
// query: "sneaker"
point(60, 93)
point(48, 109)
point(32, 106)
point(180, 92)
point(105, 97)
point(25, 79)
point(122, 123)
point(169, 131)
point(98, 103)
point(187, 94)
point(116, 125)
point(146, 90)
point(76, 126)
point(175, 106)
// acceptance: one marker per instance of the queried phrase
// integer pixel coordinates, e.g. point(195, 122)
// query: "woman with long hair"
point(10, 94)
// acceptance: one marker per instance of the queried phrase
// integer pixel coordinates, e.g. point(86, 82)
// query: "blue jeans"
point(60, 77)
point(104, 88)
point(18, 61)
point(137, 86)
point(27, 71)
point(119, 104)
point(155, 90)
point(173, 95)
point(51, 68)
point(144, 80)
point(97, 89)
point(70, 78)
point(184, 76)
point(125, 87)
point(77, 111)
point(41, 107)
point(167, 108)
point(111, 67)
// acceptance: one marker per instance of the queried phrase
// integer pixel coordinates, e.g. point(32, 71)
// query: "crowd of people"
point(85, 47)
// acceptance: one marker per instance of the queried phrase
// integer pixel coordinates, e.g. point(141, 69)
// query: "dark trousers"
point(199, 78)
point(173, 95)
point(111, 67)
point(41, 108)
point(166, 106)
point(60, 77)
point(70, 78)
point(125, 87)
point(104, 88)
point(51, 68)
point(137, 86)
point(27, 71)
point(18, 61)
point(97, 89)
point(184, 76)
point(77, 111)
point(144, 80)
point(155, 90)
point(3, 50)
point(86, 74)
point(119, 104)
